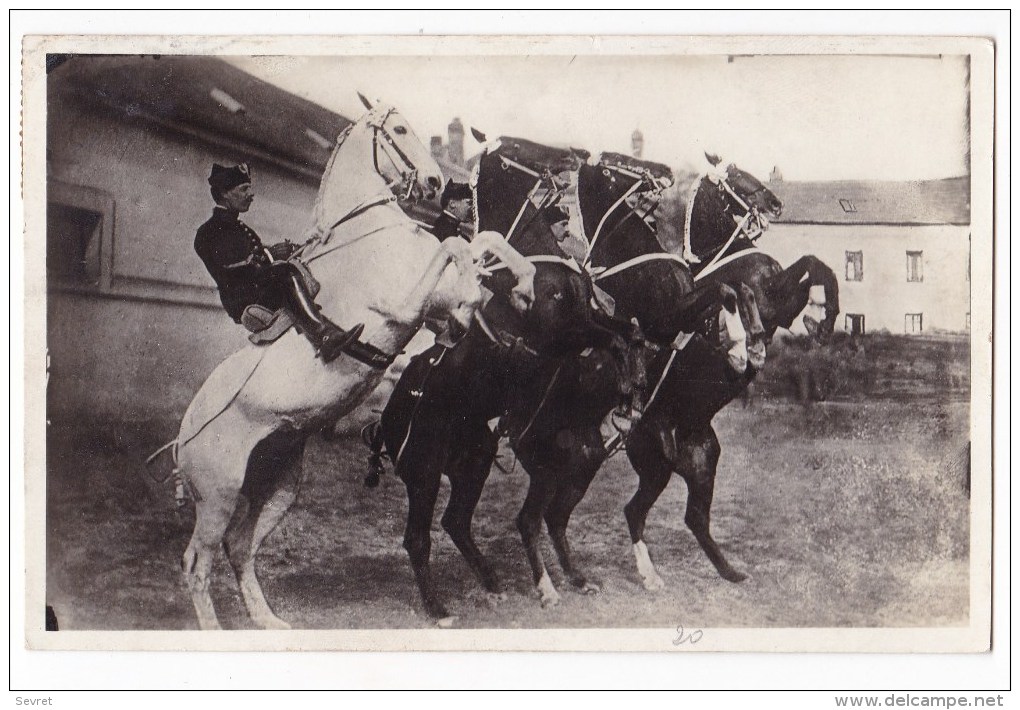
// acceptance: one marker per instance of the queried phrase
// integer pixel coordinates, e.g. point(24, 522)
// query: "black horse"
point(436, 420)
point(725, 215)
point(563, 449)
point(560, 457)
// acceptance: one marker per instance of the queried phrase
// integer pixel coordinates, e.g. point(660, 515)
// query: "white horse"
point(241, 442)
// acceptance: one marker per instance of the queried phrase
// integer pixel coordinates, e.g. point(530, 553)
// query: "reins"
point(751, 214)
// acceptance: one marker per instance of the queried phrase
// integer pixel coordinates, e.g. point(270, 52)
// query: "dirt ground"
point(843, 514)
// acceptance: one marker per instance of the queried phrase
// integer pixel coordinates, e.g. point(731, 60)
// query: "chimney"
point(456, 143)
point(436, 147)
point(775, 175)
point(637, 143)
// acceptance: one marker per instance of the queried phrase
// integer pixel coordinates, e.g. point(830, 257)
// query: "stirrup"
point(332, 345)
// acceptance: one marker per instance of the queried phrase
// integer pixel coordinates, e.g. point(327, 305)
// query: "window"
point(79, 236)
point(855, 323)
point(855, 266)
point(912, 322)
point(72, 235)
point(914, 262)
point(848, 206)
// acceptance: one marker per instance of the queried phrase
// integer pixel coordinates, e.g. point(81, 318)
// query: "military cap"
point(455, 191)
point(554, 214)
point(224, 178)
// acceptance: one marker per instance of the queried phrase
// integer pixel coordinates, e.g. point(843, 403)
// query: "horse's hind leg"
point(212, 514)
point(529, 522)
point(468, 470)
point(421, 475)
point(650, 449)
point(270, 489)
point(698, 457)
point(557, 517)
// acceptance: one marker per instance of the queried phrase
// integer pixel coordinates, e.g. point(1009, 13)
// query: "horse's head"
point(538, 157)
point(725, 204)
point(614, 187)
point(510, 171)
point(399, 156)
point(752, 192)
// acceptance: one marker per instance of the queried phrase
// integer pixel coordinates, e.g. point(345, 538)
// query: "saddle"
point(267, 326)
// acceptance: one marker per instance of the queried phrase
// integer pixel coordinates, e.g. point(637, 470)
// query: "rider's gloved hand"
point(283, 250)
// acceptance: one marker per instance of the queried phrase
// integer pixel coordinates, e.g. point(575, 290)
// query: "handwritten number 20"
point(691, 638)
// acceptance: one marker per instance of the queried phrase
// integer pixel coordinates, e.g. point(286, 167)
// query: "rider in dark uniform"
point(456, 204)
point(247, 272)
point(558, 220)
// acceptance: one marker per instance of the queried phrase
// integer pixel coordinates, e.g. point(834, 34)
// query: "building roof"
point(874, 202)
point(204, 97)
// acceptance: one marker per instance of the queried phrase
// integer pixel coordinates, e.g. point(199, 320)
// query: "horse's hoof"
point(550, 599)
point(446, 622)
point(654, 584)
point(590, 588)
point(731, 575)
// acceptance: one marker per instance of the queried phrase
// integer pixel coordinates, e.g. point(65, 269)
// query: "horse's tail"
point(372, 435)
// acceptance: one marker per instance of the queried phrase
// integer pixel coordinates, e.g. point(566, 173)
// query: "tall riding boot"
point(326, 337)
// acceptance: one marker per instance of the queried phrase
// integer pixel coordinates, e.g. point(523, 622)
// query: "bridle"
point(751, 225)
point(654, 187)
point(554, 191)
point(409, 172)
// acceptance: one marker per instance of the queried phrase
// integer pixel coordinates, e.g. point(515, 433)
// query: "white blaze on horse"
point(242, 439)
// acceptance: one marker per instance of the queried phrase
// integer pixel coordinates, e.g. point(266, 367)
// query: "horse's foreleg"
point(650, 450)
point(698, 457)
point(522, 296)
point(529, 522)
point(468, 471)
point(557, 518)
point(820, 274)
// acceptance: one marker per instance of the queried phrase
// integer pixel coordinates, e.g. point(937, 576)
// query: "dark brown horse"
point(726, 214)
point(436, 420)
point(563, 448)
point(534, 392)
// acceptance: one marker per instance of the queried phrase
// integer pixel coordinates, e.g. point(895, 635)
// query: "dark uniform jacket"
point(238, 262)
point(446, 226)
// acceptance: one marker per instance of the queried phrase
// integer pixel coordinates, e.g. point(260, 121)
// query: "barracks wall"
point(883, 293)
point(134, 324)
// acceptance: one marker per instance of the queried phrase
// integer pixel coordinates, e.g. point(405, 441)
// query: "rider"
point(456, 202)
point(247, 272)
point(558, 220)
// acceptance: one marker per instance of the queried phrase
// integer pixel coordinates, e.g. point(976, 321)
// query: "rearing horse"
point(726, 212)
point(585, 388)
point(436, 420)
point(562, 449)
point(242, 438)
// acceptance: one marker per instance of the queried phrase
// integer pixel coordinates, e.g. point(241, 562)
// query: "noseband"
point(409, 173)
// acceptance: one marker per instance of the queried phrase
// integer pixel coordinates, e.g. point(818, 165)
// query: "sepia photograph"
point(468, 343)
